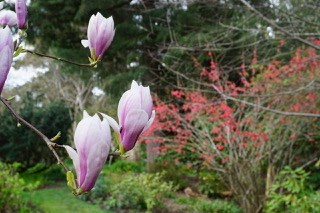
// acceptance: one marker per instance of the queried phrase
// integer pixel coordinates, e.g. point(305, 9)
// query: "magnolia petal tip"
point(85, 114)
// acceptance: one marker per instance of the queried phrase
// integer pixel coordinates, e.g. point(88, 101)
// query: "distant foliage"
point(143, 191)
point(198, 120)
point(125, 166)
point(210, 183)
point(204, 205)
point(129, 191)
point(40, 175)
point(50, 23)
point(19, 144)
point(179, 175)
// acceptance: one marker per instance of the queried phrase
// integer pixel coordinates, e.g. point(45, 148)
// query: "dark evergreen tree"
point(19, 144)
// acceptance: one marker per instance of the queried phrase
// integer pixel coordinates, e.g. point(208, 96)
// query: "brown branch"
point(266, 108)
point(310, 162)
point(49, 143)
point(59, 59)
point(116, 153)
point(176, 72)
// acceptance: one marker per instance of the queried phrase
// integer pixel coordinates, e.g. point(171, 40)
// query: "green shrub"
point(206, 206)
point(11, 188)
point(210, 183)
point(314, 177)
point(143, 191)
point(179, 175)
point(125, 166)
point(290, 193)
point(216, 206)
point(40, 175)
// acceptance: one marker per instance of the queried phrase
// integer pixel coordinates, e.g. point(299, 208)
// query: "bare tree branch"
point(273, 24)
point(266, 108)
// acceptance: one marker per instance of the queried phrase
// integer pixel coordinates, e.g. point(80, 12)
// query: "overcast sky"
point(24, 74)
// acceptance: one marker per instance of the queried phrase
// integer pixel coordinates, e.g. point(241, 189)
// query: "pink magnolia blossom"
point(135, 115)
point(100, 35)
point(6, 51)
point(92, 140)
point(8, 18)
point(22, 13)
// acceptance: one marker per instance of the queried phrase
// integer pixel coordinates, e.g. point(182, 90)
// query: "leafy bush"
point(143, 191)
point(290, 193)
point(314, 177)
point(178, 174)
point(182, 176)
point(11, 188)
point(210, 183)
point(204, 205)
point(40, 175)
point(125, 166)
point(226, 136)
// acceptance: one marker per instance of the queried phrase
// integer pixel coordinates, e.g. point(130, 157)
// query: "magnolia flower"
point(92, 140)
point(21, 10)
point(8, 18)
point(6, 51)
point(100, 34)
point(135, 115)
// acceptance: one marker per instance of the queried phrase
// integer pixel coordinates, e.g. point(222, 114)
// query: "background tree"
point(21, 145)
point(157, 40)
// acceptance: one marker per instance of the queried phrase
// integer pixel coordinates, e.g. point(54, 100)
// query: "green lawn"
point(59, 199)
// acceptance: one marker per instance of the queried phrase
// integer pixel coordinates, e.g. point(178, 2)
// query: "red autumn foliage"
point(211, 126)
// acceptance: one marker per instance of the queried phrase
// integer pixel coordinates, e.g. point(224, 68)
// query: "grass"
point(56, 197)
point(59, 199)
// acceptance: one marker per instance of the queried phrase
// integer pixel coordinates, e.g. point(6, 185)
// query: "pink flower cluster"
point(92, 137)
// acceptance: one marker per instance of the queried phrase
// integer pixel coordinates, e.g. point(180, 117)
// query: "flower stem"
point(60, 59)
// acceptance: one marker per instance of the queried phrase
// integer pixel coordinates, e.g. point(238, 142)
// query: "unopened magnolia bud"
point(135, 115)
point(22, 13)
point(8, 18)
point(100, 35)
point(6, 55)
point(92, 140)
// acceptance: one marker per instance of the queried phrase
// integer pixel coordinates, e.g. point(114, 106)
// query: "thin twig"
point(49, 143)
point(59, 59)
point(115, 153)
point(310, 162)
point(273, 24)
point(267, 108)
